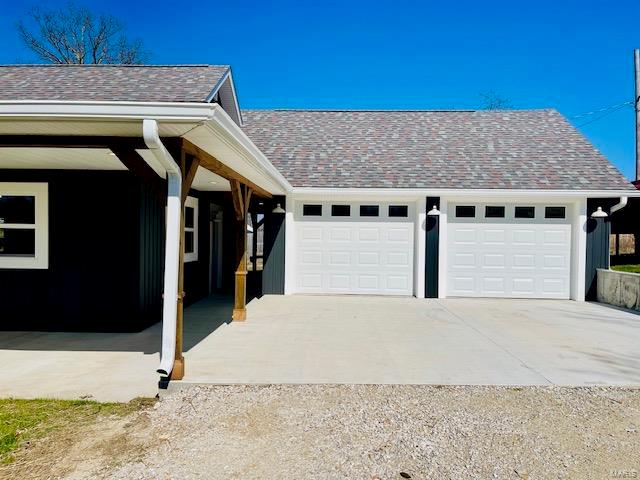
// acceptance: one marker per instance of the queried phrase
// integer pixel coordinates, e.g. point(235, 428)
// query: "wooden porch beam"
point(137, 165)
point(212, 164)
point(188, 167)
point(241, 199)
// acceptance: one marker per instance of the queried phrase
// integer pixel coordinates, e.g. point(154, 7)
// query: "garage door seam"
point(522, 362)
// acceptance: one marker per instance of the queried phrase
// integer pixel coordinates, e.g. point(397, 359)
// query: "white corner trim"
point(40, 191)
point(579, 250)
point(442, 248)
point(289, 247)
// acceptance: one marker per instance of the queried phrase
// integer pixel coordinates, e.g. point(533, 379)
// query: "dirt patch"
point(364, 432)
point(74, 447)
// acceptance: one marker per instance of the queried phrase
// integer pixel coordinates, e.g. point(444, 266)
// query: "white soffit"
point(60, 158)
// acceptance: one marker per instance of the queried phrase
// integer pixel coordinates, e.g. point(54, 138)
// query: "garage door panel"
point(513, 258)
point(353, 254)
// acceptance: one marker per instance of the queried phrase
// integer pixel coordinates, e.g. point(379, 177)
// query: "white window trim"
point(192, 202)
point(41, 193)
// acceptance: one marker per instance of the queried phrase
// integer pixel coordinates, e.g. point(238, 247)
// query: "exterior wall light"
point(599, 213)
point(278, 209)
point(434, 211)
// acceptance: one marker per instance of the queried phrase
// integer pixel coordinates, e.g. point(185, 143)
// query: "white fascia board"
point(159, 111)
point(226, 130)
point(415, 193)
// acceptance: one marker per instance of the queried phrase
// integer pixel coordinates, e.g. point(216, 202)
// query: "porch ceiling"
point(41, 158)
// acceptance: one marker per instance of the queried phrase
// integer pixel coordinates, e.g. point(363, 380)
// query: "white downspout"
point(620, 205)
point(172, 244)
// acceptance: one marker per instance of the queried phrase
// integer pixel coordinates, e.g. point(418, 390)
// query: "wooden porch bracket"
point(212, 164)
point(241, 195)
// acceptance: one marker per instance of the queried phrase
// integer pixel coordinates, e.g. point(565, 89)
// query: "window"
point(340, 210)
point(398, 211)
point(369, 210)
point(465, 211)
point(24, 224)
point(191, 229)
point(554, 212)
point(494, 212)
point(626, 244)
point(525, 212)
point(312, 210)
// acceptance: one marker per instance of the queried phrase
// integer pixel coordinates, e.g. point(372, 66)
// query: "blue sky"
point(572, 56)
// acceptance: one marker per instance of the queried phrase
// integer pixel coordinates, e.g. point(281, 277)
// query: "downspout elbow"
point(172, 244)
point(620, 205)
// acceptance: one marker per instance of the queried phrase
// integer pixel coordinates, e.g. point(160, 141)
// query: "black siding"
point(274, 252)
point(96, 244)
point(432, 249)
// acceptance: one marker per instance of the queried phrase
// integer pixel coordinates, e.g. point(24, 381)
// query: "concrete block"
point(621, 289)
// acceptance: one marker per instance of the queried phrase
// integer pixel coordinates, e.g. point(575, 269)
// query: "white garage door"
point(498, 250)
point(358, 248)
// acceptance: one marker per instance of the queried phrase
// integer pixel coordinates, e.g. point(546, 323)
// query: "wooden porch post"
point(241, 195)
point(188, 166)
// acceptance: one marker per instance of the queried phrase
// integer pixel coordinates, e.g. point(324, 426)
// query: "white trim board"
point(40, 191)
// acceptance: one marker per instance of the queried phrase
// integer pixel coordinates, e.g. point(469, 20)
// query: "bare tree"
point(493, 101)
point(74, 34)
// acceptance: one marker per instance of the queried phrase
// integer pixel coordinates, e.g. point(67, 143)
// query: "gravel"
point(387, 432)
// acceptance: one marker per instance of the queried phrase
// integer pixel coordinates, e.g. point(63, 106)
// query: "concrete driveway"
point(340, 339)
point(345, 339)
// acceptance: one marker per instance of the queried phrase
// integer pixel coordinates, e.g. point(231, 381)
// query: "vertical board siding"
point(151, 258)
point(598, 231)
point(92, 283)
point(432, 249)
point(274, 251)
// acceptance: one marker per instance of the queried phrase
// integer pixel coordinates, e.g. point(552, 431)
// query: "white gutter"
point(172, 244)
point(620, 205)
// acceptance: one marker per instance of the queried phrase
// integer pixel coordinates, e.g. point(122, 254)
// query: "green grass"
point(22, 421)
point(627, 268)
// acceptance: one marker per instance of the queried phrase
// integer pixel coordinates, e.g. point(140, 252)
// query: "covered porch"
point(150, 169)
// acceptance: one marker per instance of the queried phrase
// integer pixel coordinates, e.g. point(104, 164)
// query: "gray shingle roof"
point(137, 83)
point(514, 149)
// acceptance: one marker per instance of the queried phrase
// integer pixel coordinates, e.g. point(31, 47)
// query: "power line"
point(603, 109)
point(607, 112)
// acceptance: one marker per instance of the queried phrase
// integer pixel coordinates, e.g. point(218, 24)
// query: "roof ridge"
point(106, 65)
point(401, 110)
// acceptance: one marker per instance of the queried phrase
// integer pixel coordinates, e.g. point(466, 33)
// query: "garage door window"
point(398, 211)
point(525, 212)
point(340, 210)
point(494, 212)
point(465, 211)
point(312, 210)
point(554, 212)
point(369, 210)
